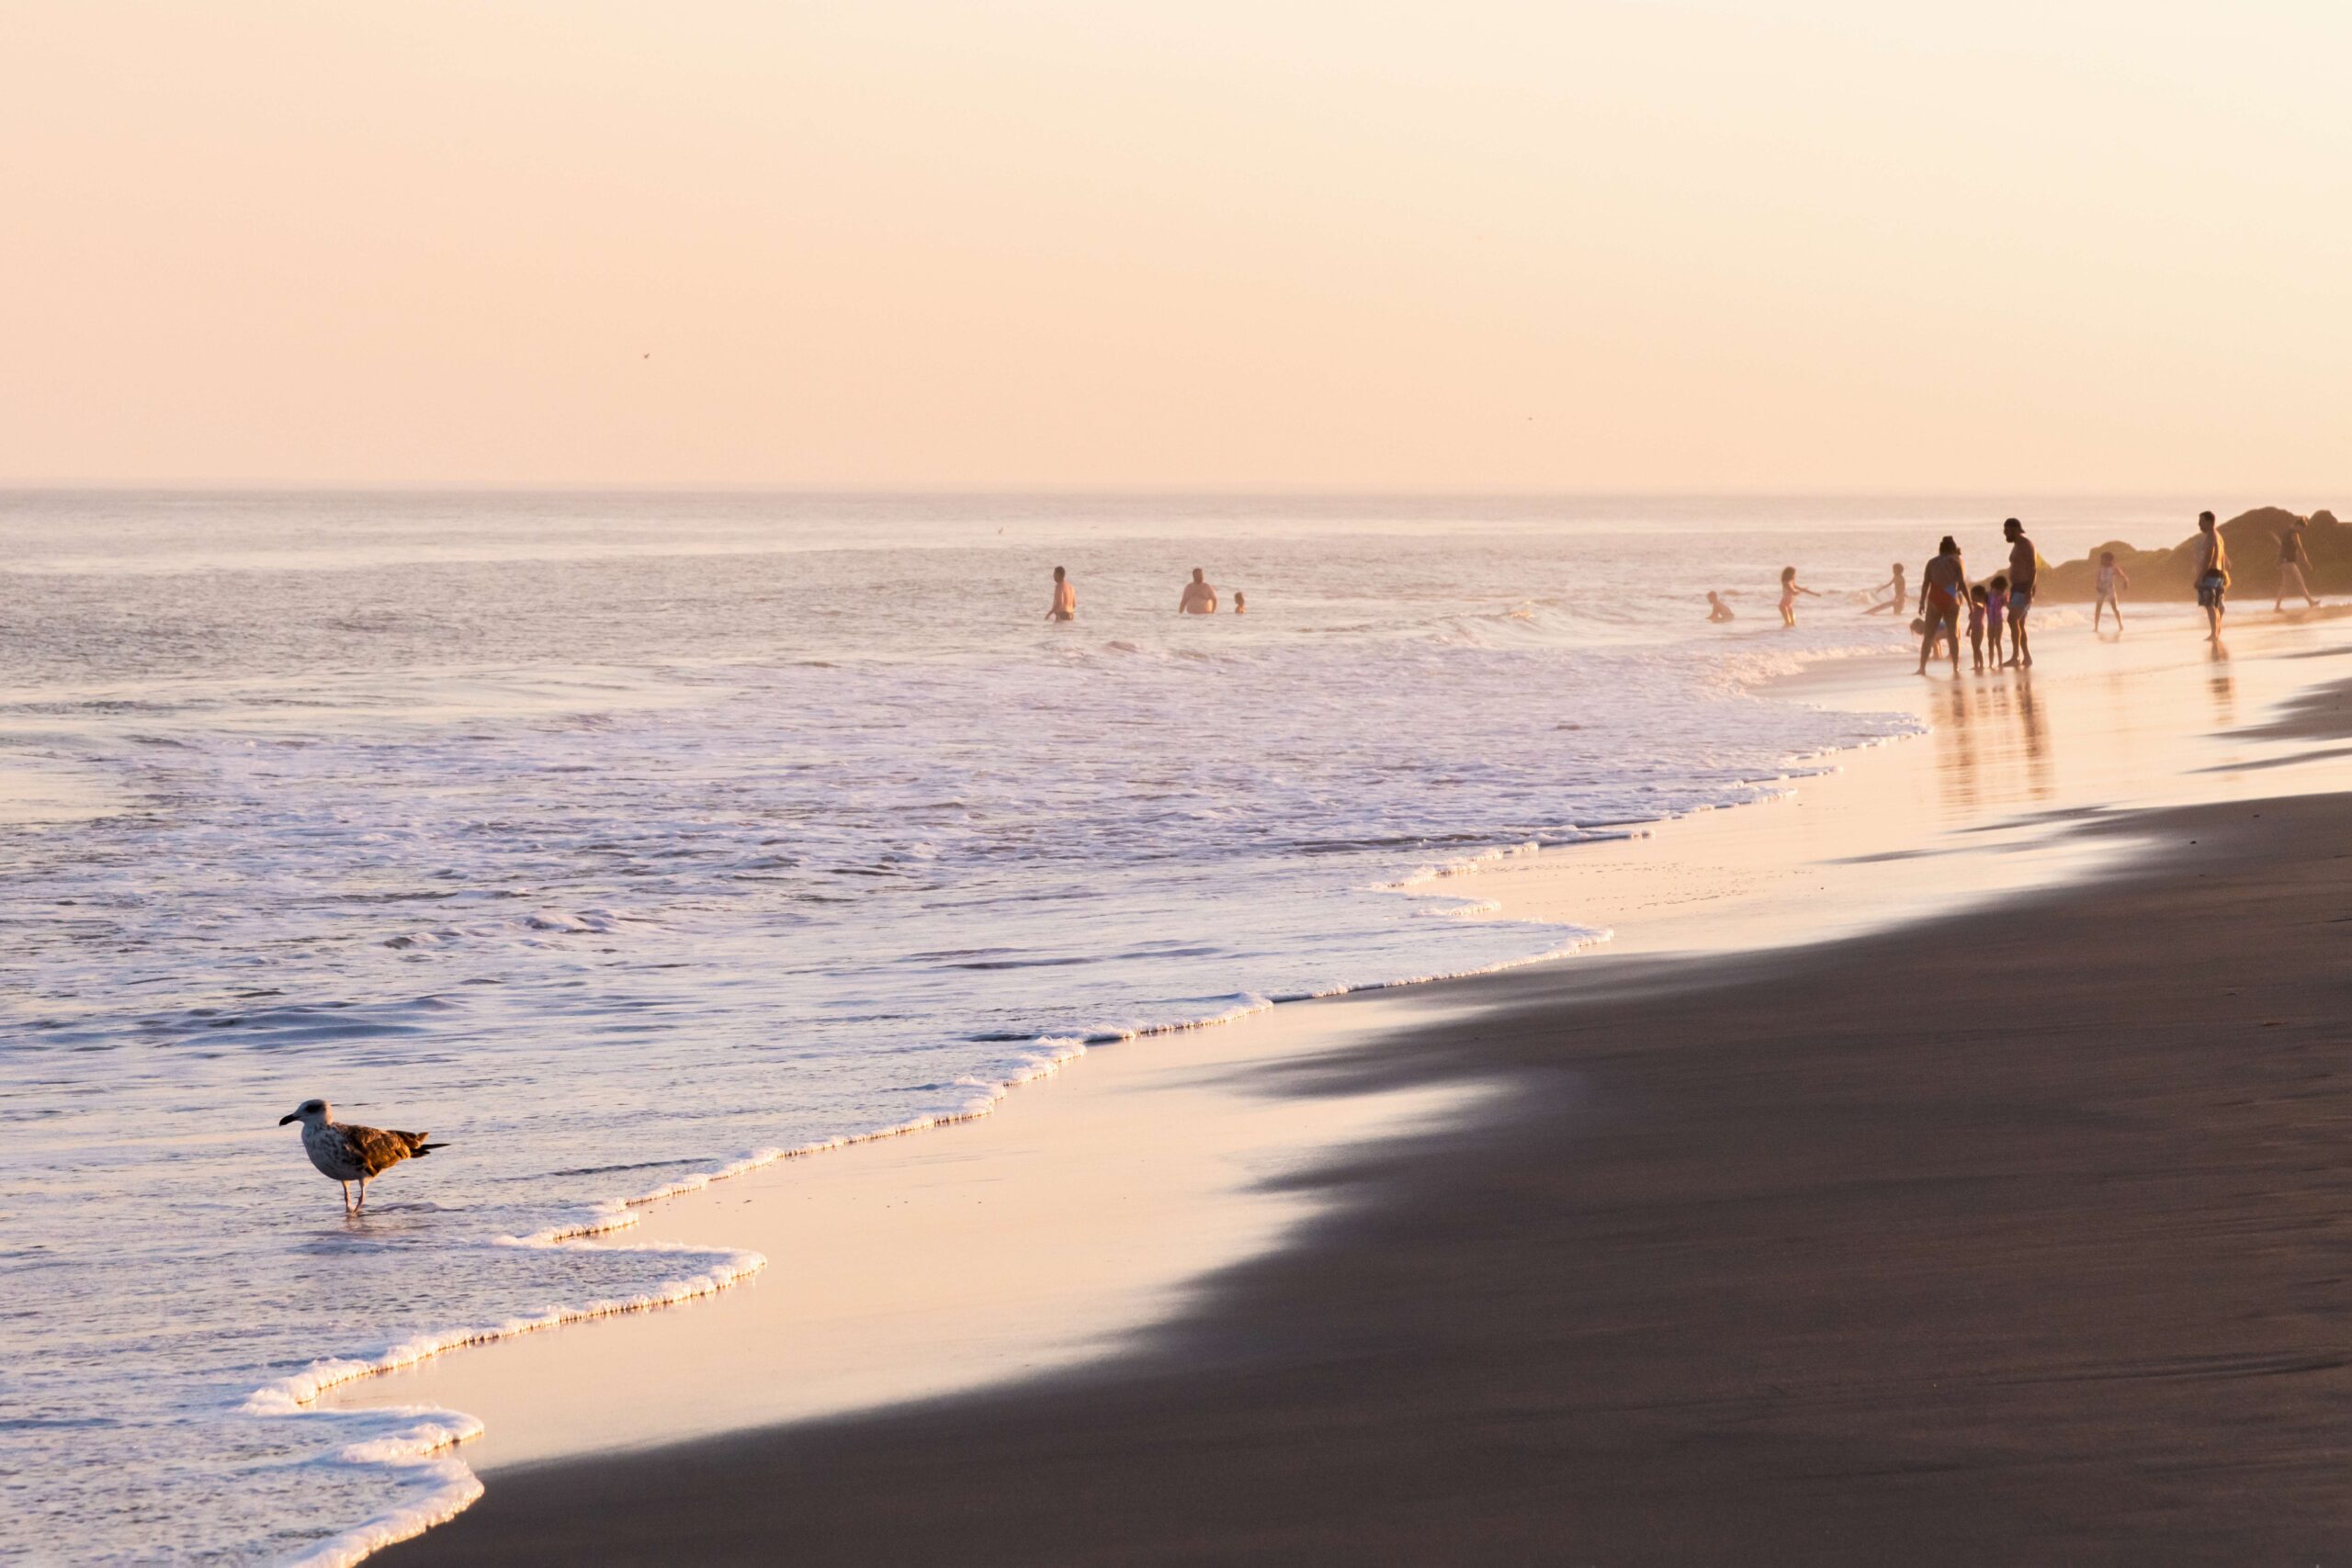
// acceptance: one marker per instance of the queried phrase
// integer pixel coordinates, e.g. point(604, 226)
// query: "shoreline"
point(1614, 957)
point(1231, 1341)
point(1579, 872)
point(1527, 889)
point(448, 1434)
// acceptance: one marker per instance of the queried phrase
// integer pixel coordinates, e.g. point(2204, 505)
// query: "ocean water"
point(620, 841)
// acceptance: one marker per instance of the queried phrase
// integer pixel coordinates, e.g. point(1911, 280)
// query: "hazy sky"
point(1187, 243)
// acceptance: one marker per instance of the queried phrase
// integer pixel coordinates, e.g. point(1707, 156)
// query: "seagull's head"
point(310, 1114)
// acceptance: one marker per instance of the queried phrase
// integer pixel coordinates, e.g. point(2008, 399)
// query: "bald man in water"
point(1199, 596)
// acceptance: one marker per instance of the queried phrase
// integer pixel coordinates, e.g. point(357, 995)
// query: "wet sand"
point(2013, 1235)
point(1050, 1232)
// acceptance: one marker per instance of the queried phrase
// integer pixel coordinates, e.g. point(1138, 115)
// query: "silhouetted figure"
point(2293, 560)
point(2024, 562)
point(2213, 575)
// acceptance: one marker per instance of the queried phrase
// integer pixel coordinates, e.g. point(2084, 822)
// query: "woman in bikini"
point(1943, 588)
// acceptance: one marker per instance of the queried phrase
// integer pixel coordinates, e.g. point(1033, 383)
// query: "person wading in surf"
point(1199, 596)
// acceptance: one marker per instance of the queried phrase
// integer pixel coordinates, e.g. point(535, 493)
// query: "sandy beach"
point(1152, 784)
point(1813, 1225)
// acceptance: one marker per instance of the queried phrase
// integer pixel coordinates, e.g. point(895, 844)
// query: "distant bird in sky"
point(349, 1153)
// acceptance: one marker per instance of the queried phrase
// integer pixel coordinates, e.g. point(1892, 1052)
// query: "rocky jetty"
point(2252, 541)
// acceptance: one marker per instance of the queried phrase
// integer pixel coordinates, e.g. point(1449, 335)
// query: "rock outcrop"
point(2252, 538)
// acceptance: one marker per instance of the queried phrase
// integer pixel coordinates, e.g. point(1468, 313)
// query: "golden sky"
point(1182, 243)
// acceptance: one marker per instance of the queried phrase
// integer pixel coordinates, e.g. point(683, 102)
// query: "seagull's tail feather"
point(421, 1149)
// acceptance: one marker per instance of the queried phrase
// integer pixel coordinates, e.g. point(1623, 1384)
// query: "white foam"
point(455, 1489)
point(619, 925)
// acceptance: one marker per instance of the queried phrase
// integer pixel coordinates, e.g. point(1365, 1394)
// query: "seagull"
point(350, 1153)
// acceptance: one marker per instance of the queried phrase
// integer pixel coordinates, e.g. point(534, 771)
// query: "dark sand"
point(2023, 1237)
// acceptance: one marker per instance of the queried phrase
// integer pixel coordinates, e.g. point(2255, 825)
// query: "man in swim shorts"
point(1065, 605)
point(2024, 561)
point(2212, 574)
point(1200, 596)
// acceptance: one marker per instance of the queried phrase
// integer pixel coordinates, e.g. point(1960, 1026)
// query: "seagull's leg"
point(347, 1195)
point(363, 1191)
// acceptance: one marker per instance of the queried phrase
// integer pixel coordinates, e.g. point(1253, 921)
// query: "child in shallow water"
point(1789, 591)
point(1996, 609)
point(1977, 611)
point(1716, 609)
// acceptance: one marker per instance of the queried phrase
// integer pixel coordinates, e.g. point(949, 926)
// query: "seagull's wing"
point(377, 1149)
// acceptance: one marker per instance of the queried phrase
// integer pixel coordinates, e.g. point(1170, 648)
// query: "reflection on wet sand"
point(2224, 687)
point(1993, 744)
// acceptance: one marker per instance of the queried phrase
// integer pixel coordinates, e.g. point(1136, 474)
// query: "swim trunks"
point(2020, 601)
point(2209, 589)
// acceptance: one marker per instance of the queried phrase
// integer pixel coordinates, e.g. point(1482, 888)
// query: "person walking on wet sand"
point(2293, 561)
point(2104, 585)
point(1200, 596)
point(1943, 587)
point(1065, 605)
point(2212, 574)
point(2024, 562)
point(1789, 591)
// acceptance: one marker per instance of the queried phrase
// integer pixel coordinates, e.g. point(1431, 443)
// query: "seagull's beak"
point(290, 1116)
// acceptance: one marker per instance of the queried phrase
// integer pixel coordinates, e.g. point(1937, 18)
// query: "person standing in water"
point(1199, 596)
point(2024, 562)
point(1901, 590)
point(1789, 591)
point(1065, 605)
point(1240, 605)
point(1943, 587)
point(2293, 561)
point(2212, 574)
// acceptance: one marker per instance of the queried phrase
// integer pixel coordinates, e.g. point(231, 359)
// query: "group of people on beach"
point(2003, 603)
point(1199, 597)
point(1944, 588)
